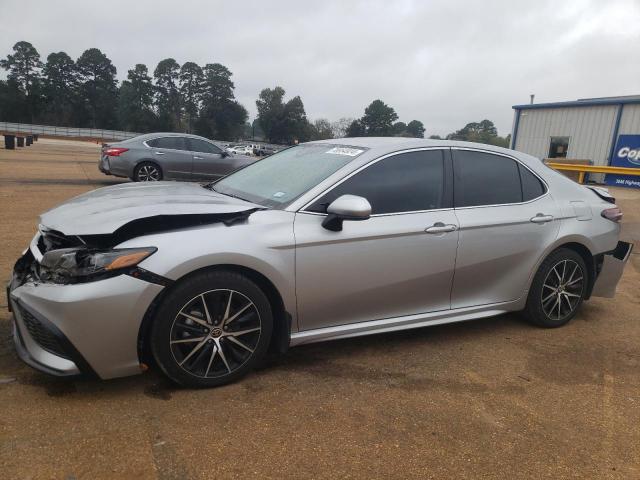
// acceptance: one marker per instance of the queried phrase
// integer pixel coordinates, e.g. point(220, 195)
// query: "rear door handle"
point(540, 218)
point(440, 227)
point(159, 153)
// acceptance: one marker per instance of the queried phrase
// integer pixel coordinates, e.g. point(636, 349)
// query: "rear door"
point(398, 262)
point(209, 163)
point(172, 155)
point(507, 218)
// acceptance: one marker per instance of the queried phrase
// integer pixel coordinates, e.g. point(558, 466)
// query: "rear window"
point(485, 179)
point(172, 143)
point(482, 178)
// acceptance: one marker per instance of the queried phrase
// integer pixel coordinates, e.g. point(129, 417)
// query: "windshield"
point(281, 178)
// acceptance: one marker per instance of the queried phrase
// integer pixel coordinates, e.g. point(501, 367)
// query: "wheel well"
point(282, 319)
point(146, 160)
point(589, 260)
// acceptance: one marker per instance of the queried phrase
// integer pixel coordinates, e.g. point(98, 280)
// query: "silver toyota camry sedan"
point(321, 241)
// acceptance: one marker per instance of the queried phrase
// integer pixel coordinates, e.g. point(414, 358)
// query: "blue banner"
point(626, 154)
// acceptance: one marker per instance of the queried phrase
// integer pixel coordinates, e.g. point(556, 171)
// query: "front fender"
point(263, 243)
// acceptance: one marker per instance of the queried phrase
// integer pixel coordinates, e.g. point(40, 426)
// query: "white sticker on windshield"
point(279, 194)
point(351, 152)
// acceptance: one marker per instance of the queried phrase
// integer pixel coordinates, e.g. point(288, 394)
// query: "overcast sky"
point(443, 62)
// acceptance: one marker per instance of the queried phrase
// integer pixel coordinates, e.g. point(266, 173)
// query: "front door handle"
point(540, 218)
point(159, 153)
point(440, 227)
point(197, 158)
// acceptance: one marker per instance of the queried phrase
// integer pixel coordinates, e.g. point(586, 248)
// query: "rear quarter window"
point(532, 186)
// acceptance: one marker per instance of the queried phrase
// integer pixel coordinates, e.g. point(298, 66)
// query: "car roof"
point(377, 147)
point(148, 136)
point(396, 143)
point(384, 145)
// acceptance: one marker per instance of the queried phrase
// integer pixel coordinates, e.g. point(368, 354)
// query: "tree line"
point(286, 122)
point(85, 93)
point(181, 98)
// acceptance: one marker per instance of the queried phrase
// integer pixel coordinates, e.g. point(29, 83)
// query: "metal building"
point(586, 129)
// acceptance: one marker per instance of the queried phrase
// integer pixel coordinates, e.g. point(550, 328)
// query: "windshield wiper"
point(210, 186)
point(231, 195)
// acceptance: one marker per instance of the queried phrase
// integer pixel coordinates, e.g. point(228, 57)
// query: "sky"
point(443, 62)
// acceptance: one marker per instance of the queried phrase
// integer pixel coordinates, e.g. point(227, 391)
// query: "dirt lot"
point(494, 398)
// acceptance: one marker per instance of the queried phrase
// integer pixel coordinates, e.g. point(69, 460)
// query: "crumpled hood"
point(104, 210)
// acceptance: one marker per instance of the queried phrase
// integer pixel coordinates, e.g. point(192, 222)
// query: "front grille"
point(41, 335)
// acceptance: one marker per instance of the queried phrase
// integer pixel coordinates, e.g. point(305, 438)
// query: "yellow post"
point(581, 177)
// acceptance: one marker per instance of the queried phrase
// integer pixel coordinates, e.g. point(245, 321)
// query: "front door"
point(393, 264)
point(172, 155)
point(507, 218)
point(209, 162)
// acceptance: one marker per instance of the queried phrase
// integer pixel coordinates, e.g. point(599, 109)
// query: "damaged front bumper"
point(89, 328)
point(611, 270)
point(42, 346)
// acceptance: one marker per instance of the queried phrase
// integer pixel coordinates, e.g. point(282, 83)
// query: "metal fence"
point(69, 132)
point(97, 134)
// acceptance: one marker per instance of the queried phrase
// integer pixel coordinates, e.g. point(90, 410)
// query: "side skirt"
point(404, 323)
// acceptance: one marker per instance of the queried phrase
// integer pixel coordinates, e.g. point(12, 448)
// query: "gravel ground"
point(493, 398)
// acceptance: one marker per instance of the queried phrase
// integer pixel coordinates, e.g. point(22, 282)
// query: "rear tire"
point(147, 172)
point(212, 329)
point(557, 290)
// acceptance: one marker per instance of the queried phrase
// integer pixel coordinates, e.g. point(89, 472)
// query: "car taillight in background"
point(613, 214)
point(115, 152)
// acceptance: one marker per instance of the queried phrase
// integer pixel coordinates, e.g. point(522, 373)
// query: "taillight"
point(115, 152)
point(613, 214)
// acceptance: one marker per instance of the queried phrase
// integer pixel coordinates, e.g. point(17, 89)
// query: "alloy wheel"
point(215, 333)
point(562, 289)
point(148, 173)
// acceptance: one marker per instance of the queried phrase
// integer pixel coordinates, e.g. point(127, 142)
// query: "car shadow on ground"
point(346, 358)
point(310, 358)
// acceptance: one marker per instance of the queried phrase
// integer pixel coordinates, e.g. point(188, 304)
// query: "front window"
point(407, 182)
point(201, 146)
point(281, 178)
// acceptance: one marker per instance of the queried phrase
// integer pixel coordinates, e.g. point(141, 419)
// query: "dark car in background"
point(265, 150)
point(169, 156)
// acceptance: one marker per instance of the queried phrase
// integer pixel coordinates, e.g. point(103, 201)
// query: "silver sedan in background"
point(321, 241)
point(169, 156)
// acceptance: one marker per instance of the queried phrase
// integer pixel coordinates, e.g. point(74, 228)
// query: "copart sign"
point(626, 154)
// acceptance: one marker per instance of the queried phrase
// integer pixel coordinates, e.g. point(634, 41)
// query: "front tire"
point(558, 289)
point(147, 172)
point(212, 329)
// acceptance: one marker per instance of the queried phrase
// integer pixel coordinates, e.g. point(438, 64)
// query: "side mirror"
point(225, 154)
point(346, 207)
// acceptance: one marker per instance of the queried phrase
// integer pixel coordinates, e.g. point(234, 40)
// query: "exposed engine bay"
point(68, 259)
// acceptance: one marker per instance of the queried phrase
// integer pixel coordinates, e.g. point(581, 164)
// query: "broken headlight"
point(73, 265)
